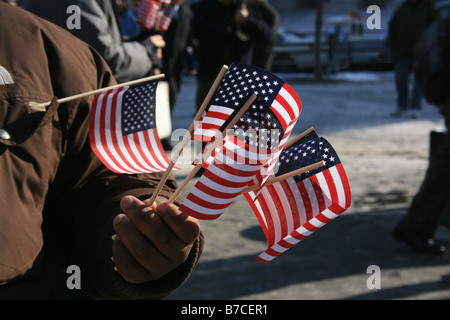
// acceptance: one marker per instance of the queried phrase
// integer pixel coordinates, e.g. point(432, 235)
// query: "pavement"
point(385, 159)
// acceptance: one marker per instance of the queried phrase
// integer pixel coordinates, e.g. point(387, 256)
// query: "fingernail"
point(116, 221)
point(127, 202)
point(162, 207)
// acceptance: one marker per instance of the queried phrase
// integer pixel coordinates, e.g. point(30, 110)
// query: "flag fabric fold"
point(122, 130)
point(290, 210)
point(217, 188)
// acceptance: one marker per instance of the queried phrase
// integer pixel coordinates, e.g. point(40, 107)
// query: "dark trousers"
point(403, 71)
point(203, 87)
point(433, 199)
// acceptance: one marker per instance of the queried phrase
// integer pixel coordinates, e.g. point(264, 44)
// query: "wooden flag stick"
point(293, 173)
point(194, 170)
point(85, 94)
point(200, 111)
point(286, 176)
point(208, 97)
point(187, 136)
point(287, 146)
point(212, 147)
point(205, 103)
point(302, 135)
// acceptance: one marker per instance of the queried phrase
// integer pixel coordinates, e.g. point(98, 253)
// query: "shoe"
point(398, 113)
point(418, 244)
point(414, 114)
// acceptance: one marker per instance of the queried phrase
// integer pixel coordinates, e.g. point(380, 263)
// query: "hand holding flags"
point(309, 188)
point(293, 188)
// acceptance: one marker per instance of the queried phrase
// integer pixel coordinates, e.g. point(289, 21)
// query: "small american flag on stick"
point(166, 16)
point(147, 12)
point(122, 130)
point(292, 209)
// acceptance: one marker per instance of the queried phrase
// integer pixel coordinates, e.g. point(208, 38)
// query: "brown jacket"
point(57, 200)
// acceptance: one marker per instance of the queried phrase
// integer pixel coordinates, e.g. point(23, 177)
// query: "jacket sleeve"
point(257, 28)
point(100, 29)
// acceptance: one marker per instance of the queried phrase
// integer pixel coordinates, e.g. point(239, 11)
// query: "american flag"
point(123, 131)
point(260, 128)
point(292, 209)
point(238, 83)
point(166, 17)
point(147, 11)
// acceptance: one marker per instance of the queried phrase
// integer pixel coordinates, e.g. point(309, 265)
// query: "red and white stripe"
point(289, 211)
point(287, 107)
point(223, 180)
point(211, 122)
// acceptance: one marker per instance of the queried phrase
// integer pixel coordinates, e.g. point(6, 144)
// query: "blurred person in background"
point(225, 32)
point(431, 205)
point(100, 28)
point(405, 28)
point(262, 52)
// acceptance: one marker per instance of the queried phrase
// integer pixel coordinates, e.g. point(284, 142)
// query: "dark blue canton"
point(241, 81)
point(260, 128)
point(304, 154)
point(138, 108)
